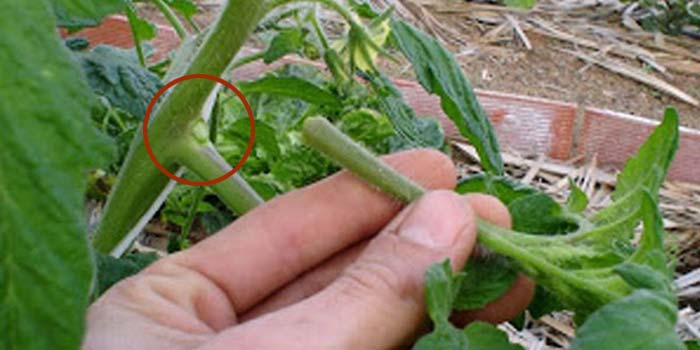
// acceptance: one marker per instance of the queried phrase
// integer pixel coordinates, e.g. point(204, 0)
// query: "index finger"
point(273, 244)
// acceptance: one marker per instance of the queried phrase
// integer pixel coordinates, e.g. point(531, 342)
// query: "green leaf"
point(432, 136)
point(111, 271)
point(444, 337)
point(532, 211)
point(645, 171)
point(214, 221)
point(117, 75)
point(644, 277)
point(186, 8)
point(264, 185)
point(692, 344)
point(141, 28)
point(486, 279)
point(288, 40)
point(75, 14)
point(503, 188)
point(369, 128)
point(292, 87)
point(483, 336)
point(525, 4)
point(266, 144)
point(441, 289)
point(440, 74)
point(406, 123)
point(578, 201)
point(364, 9)
point(651, 250)
point(362, 45)
point(48, 147)
point(544, 303)
point(540, 214)
point(301, 166)
point(642, 320)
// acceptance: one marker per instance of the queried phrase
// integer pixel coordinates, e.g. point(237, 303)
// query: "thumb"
point(377, 302)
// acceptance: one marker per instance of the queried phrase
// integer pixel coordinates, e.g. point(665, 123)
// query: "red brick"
point(527, 125)
point(115, 31)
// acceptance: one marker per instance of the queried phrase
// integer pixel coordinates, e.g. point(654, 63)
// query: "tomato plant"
point(620, 289)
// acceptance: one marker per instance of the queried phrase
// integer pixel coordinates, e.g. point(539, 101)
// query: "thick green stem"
point(320, 134)
point(140, 182)
point(170, 16)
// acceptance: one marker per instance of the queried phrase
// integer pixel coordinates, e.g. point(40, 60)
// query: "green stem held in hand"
point(323, 136)
point(320, 134)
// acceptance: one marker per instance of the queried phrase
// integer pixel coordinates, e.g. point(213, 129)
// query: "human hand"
point(308, 271)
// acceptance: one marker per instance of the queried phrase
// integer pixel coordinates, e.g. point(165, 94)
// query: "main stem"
point(140, 183)
point(320, 134)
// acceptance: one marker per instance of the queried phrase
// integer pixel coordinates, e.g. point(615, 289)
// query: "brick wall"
point(115, 31)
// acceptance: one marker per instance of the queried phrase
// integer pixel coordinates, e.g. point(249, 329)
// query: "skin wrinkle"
point(206, 290)
point(223, 293)
point(146, 302)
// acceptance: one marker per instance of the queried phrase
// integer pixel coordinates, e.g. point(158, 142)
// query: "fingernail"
point(435, 220)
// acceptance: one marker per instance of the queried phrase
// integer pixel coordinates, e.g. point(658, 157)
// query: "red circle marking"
point(147, 143)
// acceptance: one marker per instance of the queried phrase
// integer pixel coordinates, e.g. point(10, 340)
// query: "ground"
point(545, 72)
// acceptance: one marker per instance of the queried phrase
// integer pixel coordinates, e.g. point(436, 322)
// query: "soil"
point(542, 72)
point(547, 73)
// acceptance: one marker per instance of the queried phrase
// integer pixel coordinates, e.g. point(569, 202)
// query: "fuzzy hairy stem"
point(139, 182)
point(323, 136)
